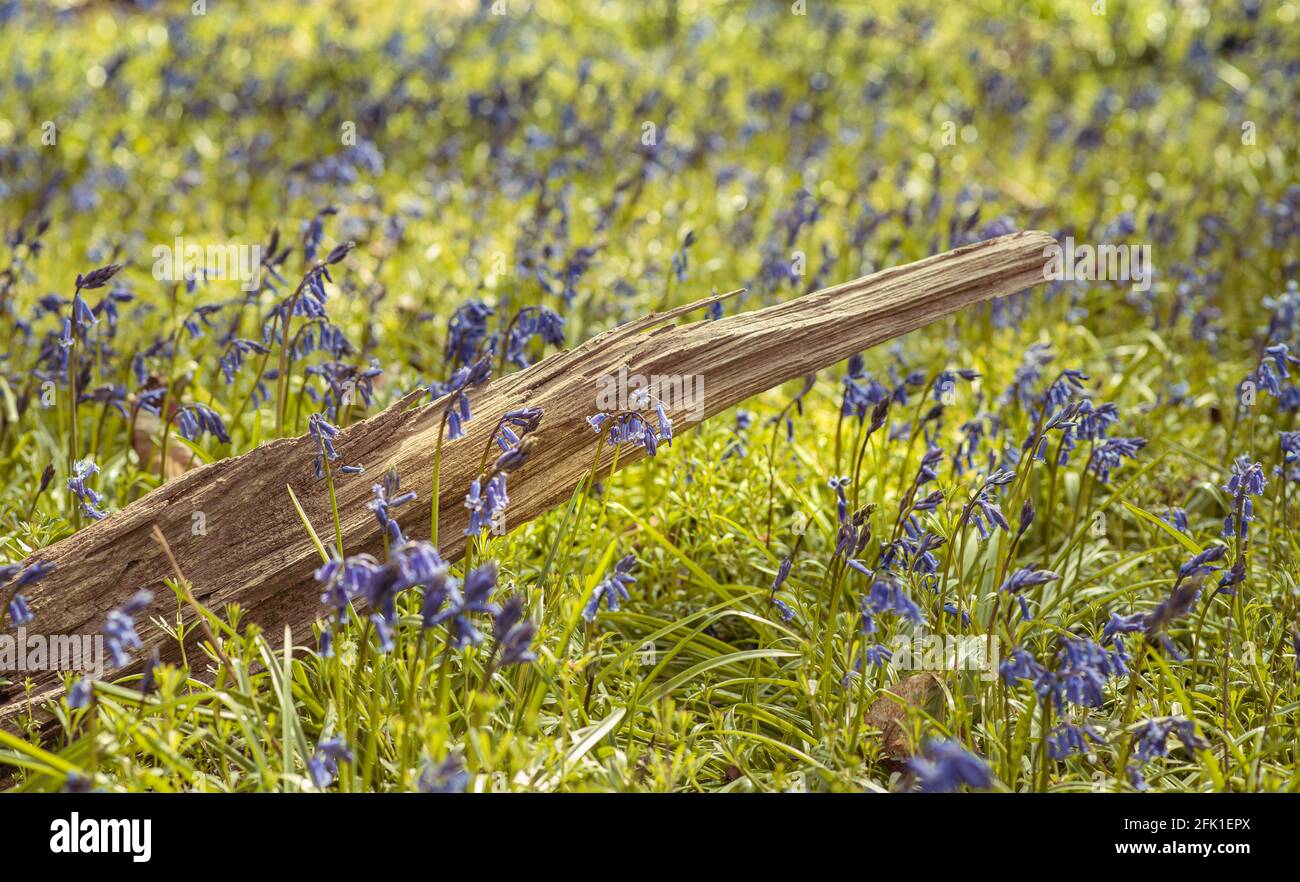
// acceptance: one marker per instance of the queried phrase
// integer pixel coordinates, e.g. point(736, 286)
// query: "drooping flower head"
point(90, 501)
point(324, 764)
point(945, 765)
point(119, 627)
point(613, 589)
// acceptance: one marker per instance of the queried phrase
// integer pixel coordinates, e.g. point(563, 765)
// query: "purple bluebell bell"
point(388, 496)
point(1068, 739)
point(80, 693)
point(613, 589)
point(324, 764)
point(782, 573)
point(346, 580)
point(1120, 625)
point(194, 419)
point(1199, 564)
point(448, 776)
point(119, 627)
point(88, 498)
point(1289, 442)
point(1176, 518)
point(14, 577)
point(97, 278)
point(486, 498)
point(1083, 667)
point(1247, 480)
point(513, 633)
point(887, 596)
point(1109, 455)
point(877, 655)
point(462, 380)
point(474, 596)
point(945, 765)
point(629, 427)
point(945, 384)
point(232, 359)
point(1152, 737)
point(530, 322)
point(20, 614)
point(466, 332)
point(1022, 580)
point(1021, 665)
point(324, 433)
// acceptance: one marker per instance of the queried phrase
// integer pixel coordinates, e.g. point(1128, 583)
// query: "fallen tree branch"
point(254, 551)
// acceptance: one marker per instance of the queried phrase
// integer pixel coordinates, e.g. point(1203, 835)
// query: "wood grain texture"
point(256, 552)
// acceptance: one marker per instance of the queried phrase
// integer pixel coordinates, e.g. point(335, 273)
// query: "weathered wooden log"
point(256, 552)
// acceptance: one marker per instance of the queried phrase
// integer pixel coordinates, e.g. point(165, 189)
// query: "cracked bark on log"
point(256, 552)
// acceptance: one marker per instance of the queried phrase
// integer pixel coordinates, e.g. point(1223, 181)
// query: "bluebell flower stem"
point(334, 506)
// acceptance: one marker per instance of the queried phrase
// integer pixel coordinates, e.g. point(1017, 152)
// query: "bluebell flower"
point(930, 502)
point(484, 502)
point(1119, 625)
point(681, 259)
point(388, 496)
point(232, 359)
point(89, 499)
point(1152, 737)
point(887, 596)
point(613, 589)
point(20, 615)
point(1176, 518)
point(466, 331)
point(1022, 580)
point(1199, 565)
point(513, 634)
point(1289, 442)
point(346, 580)
point(97, 278)
point(194, 419)
point(324, 764)
point(1178, 604)
point(1247, 480)
point(1082, 670)
point(464, 378)
point(877, 655)
point(1021, 665)
point(1109, 454)
point(530, 322)
point(80, 693)
point(119, 627)
point(946, 381)
point(1272, 369)
point(473, 596)
point(984, 509)
point(952, 610)
point(630, 427)
point(1026, 517)
point(839, 484)
point(324, 433)
point(448, 776)
point(945, 765)
point(1068, 739)
point(385, 633)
